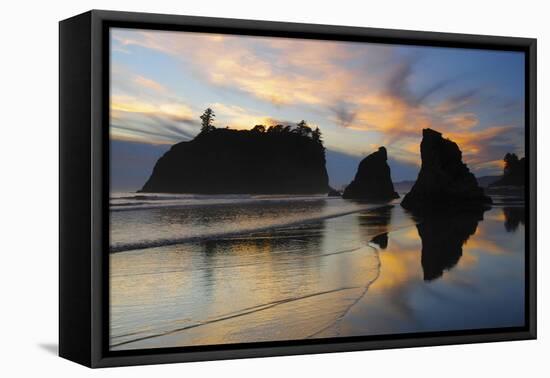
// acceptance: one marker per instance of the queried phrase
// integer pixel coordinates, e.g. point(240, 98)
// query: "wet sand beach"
point(375, 269)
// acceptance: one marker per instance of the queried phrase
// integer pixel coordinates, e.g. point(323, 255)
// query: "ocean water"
point(197, 270)
point(152, 220)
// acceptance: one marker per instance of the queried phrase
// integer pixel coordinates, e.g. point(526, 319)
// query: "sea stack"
point(372, 180)
point(444, 180)
point(514, 172)
point(227, 161)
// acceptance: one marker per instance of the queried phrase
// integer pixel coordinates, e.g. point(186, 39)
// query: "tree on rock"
point(259, 129)
point(276, 129)
point(316, 135)
point(514, 171)
point(510, 162)
point(207, 120)
point(303, 129)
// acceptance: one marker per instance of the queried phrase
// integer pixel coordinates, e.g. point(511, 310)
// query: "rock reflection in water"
point(287, 283)
point(375, 225)
point(443, 234)
point(452, 272)
point(513, 217)
point(381, 240)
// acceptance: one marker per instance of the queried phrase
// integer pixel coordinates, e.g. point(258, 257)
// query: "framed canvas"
point(235, 188)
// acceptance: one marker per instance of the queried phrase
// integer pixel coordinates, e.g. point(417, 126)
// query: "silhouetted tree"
point(276, 129)
point(513, 173)
point(259, 129)
point(316, 135)
point(302, 128)
point(510, 162)
point(207, 119)
point(287, 129)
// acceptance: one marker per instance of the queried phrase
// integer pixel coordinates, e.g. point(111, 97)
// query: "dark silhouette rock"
point(443, 234)
point(381, 240)
point(443, 180)
point(514, 172)
point(372, 180)
point(374, 225)
point(227, 161)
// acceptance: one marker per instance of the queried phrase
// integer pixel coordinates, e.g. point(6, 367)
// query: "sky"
point(361, 95)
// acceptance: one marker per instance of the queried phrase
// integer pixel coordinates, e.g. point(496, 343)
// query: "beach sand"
point(364, 273)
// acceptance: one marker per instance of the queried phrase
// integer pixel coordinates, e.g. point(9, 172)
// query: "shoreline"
point(127, 247)
point(133, 246)
point(367, 300)
point(159, 202)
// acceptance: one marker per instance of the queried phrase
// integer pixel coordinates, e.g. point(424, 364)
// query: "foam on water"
point(141, 201)
point(213, 217)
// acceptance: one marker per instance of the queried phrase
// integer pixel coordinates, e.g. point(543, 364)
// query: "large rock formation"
point(444, 180)
point(372, 180)
point(226, 161)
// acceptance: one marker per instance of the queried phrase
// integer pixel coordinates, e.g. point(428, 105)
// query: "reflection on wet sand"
point(156, 227)
point(443, 234)
point(446, 273)
point(514, 217)
point(277, 285)
point(376, 223)
point(380, 271)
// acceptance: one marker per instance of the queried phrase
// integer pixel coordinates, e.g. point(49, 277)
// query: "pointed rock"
point(372, 180)
point(443, 180)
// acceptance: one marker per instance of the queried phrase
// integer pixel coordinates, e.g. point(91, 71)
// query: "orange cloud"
point(294, 71)
point(356, 87)
point(237, 117)
point(151, 84)
point(173, 111)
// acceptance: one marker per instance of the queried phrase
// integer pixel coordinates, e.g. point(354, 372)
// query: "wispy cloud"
point(151, 84)
point(142, 108)
point(361, 95)
point(237, 117)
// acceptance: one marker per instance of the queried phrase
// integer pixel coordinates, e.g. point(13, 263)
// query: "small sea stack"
point(514, 172)
point(444, 180)
point(373, 179)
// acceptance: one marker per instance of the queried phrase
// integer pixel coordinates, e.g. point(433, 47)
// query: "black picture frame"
point(84, 187)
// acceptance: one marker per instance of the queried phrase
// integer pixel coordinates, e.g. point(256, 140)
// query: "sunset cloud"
point(237, 117)
point(151, 84)
point(143, 109)
point(360, 95)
